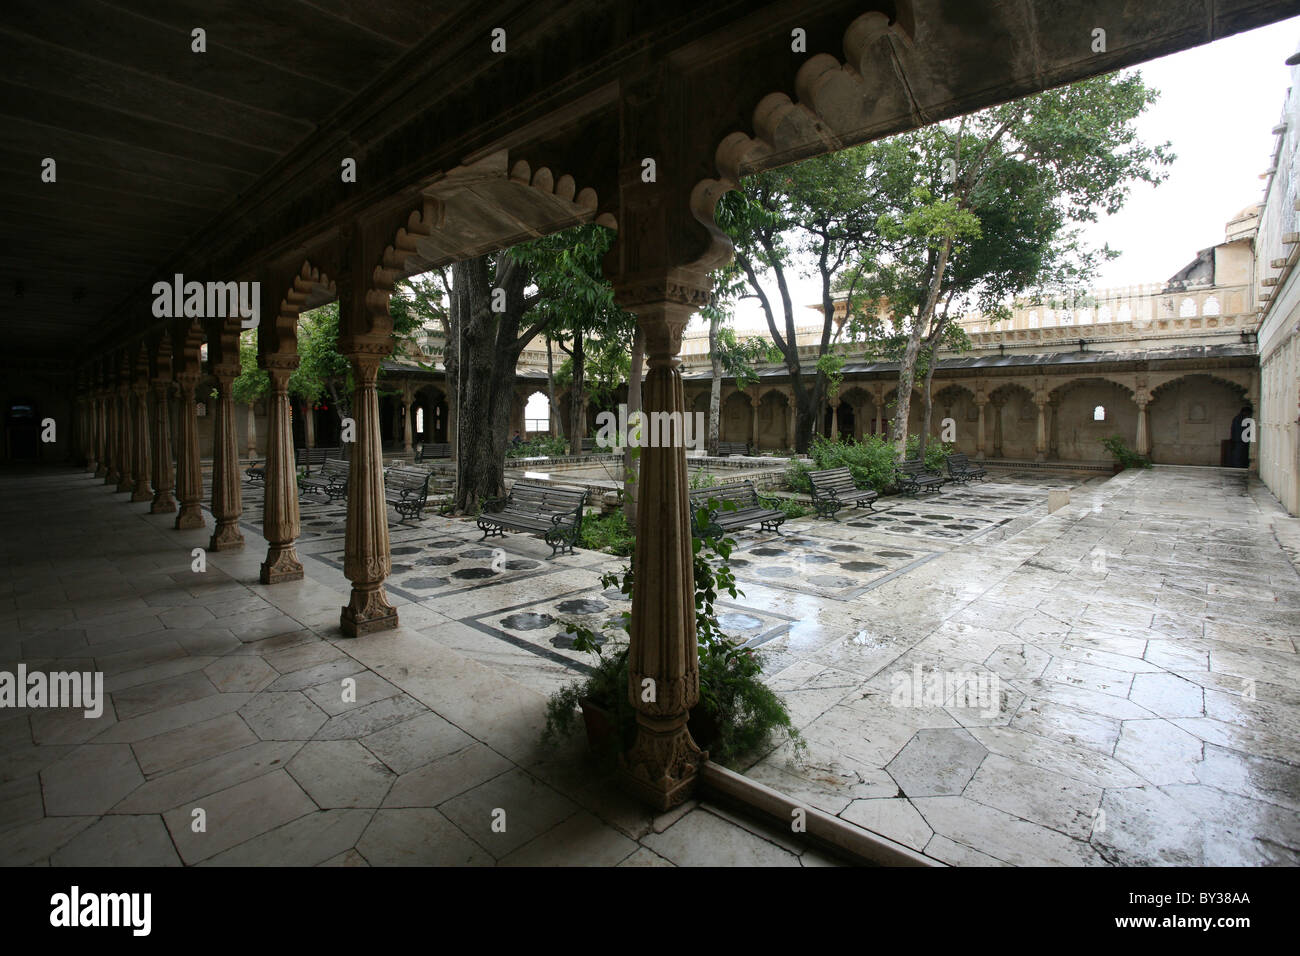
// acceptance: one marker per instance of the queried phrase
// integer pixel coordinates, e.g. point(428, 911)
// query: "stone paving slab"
point(231, 734)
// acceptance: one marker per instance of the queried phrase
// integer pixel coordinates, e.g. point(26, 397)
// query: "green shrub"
point(1126, 456)
point(609, 533)
point(547, 445)
point(745, 711)
point(870, 461)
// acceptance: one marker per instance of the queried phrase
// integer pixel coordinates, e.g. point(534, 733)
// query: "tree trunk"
point(715, 386)
point(927, 398)
point(576, 431)
point(633, 408)
point(907, 369)
point(557, 420)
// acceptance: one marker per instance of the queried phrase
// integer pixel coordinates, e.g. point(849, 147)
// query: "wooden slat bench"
point(331, 479)
point(727, 448)
point(432, 450)
point(750, 508)
point(961, 470)
point(256, 471)
point(834, 488)
point(554, 513)
point(588, 444)
point(914, 477)
point(406, 489)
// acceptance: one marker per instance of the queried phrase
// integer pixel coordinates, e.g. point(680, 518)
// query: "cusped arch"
point(1189, 377)
point(833, 102)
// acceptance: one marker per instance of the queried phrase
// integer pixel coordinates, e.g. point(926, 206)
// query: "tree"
point(969, 214)
point(498, 304)
point(812, 212)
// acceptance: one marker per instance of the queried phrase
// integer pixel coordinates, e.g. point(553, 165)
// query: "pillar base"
point(368, 611)
point(141, 494)
point(112, 478)
point(661, 768)
point(125, 484)
point(163, 503)
point(188, 518)
point(281, 564)
point(226, 537)
point(101, 471)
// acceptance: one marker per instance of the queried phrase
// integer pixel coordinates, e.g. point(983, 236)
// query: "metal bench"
point(711, 517)
point(726, 448)
point(961, 470)
point(331, 479)
point(554, 513)
point(309, 457)
point(432, 450)
point(834, 488)
point(914, 477)
point(406, 489)
point(588, 444)
point(256, 471)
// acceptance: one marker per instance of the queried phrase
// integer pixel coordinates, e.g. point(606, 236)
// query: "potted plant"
point(737, 712)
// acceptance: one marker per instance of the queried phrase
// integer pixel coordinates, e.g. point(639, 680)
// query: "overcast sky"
point(1218, 104)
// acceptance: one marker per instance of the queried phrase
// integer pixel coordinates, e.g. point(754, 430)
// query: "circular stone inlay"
point(438, 560)
point(424, 583)
point(862, 566)
point(401, 568)
point(845, 548)
point(735, 620)
point(582, 606)
point(446, 543)
point(565, 641)
point(473, 573)
point(768, 552)
point(893, 554)
point(775, 572)
point(477, 553)
point(817, 559)
point(405, 551)
point(527, 621)
point(831, 581)
point(520, 565)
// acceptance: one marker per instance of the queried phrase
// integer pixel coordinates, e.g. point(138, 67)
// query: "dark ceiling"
point(152, 140)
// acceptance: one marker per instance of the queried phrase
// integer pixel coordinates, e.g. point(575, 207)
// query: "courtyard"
point(1138, 643)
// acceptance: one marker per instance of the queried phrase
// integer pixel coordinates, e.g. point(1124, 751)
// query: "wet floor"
point(987, 684)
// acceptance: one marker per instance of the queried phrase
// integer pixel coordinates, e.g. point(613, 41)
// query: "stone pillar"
point(164, 476)
point(408, 425)
point(227, 503)
point(126, 469)
point(1143, 444)
point(1053, 431)
point(92, 432)
point(662, 764)
point(979, 432)
point(101, 435)
point(280, 524)
point(835, 420)
point(790, 421)
point(189, 475)
point(753, 429)
point(140, 439)
point(997, 429)
point(366, 558)
point(309, 426)
point(251, 436)
point(1040, 440)
point(880, 413)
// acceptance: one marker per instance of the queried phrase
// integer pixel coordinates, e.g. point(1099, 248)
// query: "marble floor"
point(975, 679)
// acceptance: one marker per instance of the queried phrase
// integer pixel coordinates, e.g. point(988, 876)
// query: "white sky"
point(1217, 107)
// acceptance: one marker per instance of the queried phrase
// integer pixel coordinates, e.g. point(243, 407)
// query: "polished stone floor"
point(1134, 649)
